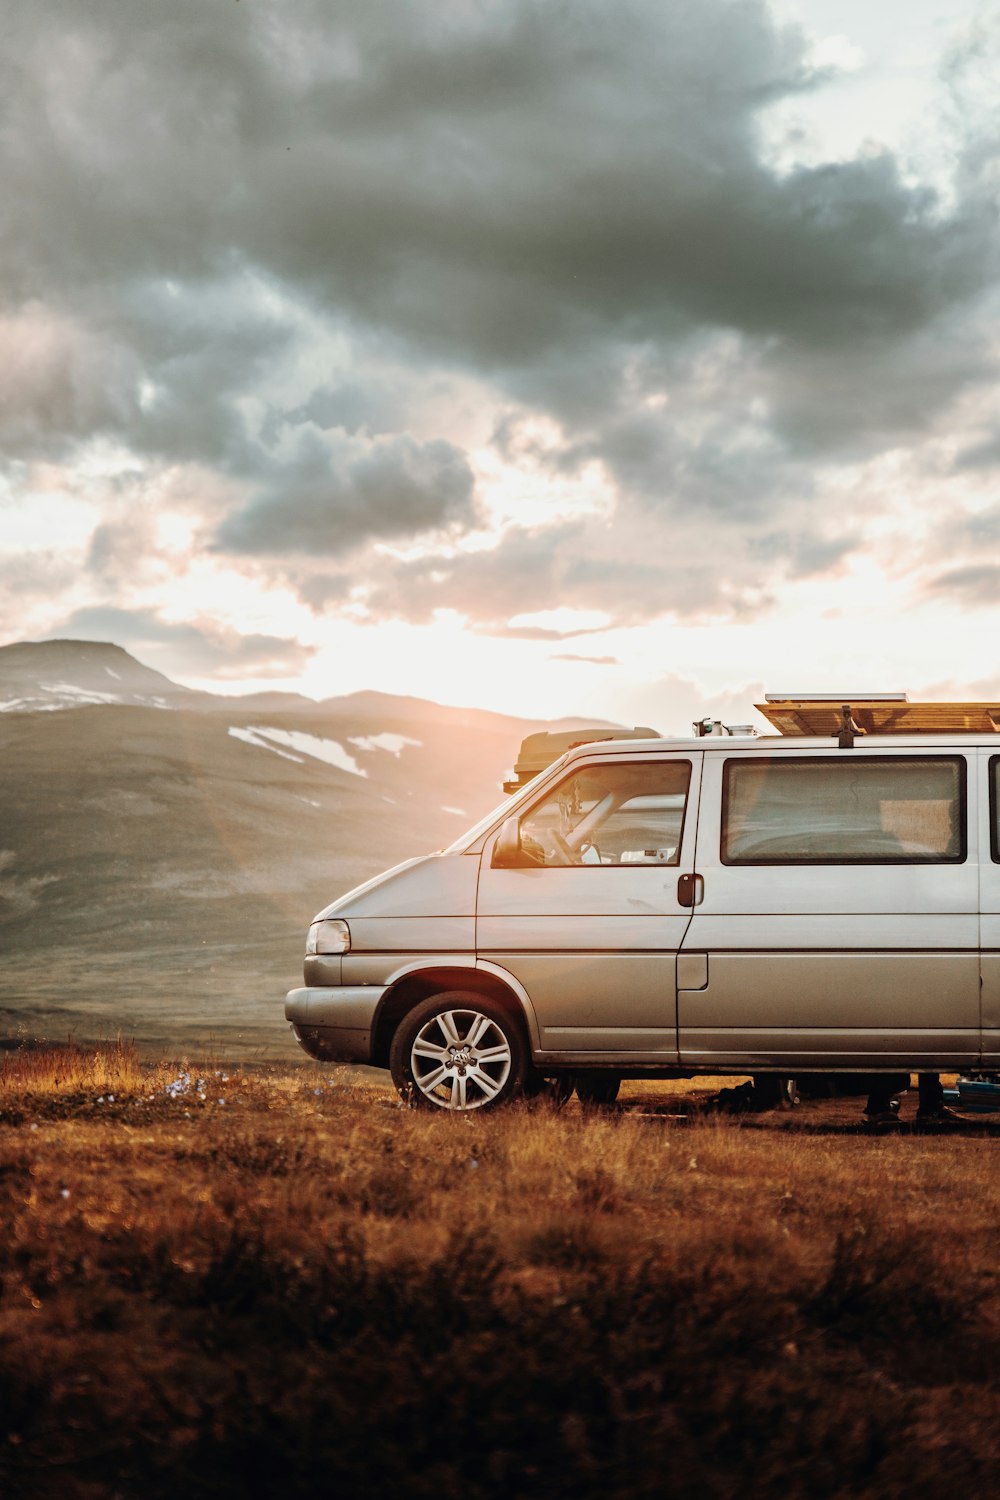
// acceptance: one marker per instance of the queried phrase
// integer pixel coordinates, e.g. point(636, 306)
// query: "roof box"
point(539, 750)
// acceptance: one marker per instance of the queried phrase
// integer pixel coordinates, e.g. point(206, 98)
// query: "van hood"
point(434, 885)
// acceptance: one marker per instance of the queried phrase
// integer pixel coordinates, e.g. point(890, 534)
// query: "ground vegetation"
point(226, 1281)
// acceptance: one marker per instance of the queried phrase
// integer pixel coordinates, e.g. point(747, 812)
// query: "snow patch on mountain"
point(78, 694)
point(331, 752)
point(253, 737)
point(393, 743)
point(48, 697)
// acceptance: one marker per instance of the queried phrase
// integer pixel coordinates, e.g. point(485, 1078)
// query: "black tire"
point(459, 1051)
point(598, 1088)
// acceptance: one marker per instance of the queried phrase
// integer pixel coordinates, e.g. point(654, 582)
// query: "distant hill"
point(162, 851)
point(38, 675)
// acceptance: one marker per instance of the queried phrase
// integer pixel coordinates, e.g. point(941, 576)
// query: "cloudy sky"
point(626, 357)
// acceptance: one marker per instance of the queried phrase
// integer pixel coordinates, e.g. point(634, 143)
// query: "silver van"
point(826, 899)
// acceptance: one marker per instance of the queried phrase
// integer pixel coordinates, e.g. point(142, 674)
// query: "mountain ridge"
point(89, 671)
point(162, 852)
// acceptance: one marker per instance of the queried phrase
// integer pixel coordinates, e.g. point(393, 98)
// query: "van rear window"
point(844, 810)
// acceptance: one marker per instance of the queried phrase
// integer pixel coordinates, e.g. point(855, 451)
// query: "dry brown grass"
point(229, 1283)
point(103, 1068)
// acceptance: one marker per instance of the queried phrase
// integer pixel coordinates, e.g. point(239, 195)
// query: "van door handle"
point(690, 890)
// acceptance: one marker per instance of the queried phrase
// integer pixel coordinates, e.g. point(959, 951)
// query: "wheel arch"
point(411, 988)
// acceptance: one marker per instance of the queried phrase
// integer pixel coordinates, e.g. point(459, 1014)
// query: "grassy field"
point(221, 1282)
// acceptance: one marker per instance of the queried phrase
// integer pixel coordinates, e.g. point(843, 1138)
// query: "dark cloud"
point(576, 564)
point(27, 577)
point(60, 381)
point(805, 553)
point(842, 404)
point(336, 491)
point(204, 350)
point(604, 182)
point(960, 559)
point(969, 540)
point(976, 585)
point(720, 462)
point(982, 455)
point(372, 408)
point(248, 240)
point(124, 551)
point(321, 591)
point(495, 184)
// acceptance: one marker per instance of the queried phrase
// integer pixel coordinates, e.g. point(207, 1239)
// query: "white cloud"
point(837, 52)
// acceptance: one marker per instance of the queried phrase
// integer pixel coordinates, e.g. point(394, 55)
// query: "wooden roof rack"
point(877, 714)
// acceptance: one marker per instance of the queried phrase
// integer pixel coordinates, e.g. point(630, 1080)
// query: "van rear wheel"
point(458, 1051)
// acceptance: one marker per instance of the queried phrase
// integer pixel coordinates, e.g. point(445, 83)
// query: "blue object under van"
point(975, 1095)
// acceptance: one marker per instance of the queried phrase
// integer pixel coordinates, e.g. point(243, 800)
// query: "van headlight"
point(328, 936)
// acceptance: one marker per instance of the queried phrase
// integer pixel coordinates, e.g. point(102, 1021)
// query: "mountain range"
point(163, 850)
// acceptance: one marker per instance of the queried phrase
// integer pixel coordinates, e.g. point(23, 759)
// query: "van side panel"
point(599, 1002)
point(990, 901)
point(766, 1009)
point(832, 964)
point(991, 993)
point(424, 934)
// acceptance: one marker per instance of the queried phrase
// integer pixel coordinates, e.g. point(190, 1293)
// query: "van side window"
point(846, 809)
point(616, 814)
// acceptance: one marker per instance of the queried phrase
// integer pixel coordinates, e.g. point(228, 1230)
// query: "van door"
point(589, 920)
point(990, 903)
point(839, 917)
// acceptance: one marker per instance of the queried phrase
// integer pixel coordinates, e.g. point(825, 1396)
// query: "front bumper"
point(334, 1024)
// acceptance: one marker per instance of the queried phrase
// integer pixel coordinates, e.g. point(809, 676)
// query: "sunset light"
point(660, 368)
point(500, 728)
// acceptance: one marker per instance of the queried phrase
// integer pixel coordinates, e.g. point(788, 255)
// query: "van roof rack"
point(835, 697)
point(876, 714)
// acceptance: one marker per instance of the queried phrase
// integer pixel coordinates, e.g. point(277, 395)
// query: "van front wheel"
point(458, 1051)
